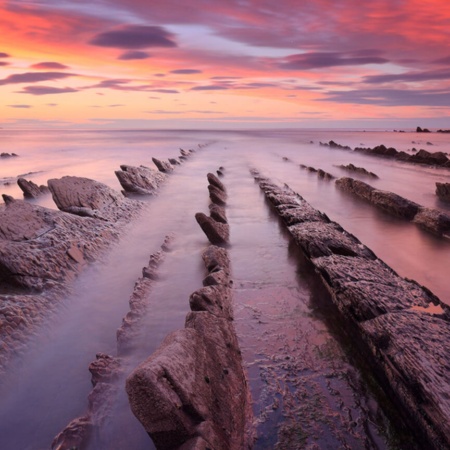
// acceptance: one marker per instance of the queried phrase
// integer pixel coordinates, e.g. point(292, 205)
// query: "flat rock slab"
point(325, 239)
point(86, 197)
point(413, 350)
point(364, 289)
point(385, 200)
point(304, 212)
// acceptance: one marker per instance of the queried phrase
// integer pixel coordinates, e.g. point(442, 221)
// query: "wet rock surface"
point(393, 318)
point(192, 392)
point(443, 191)
point(163, 166)
point(30, 189)
point(86, 197)
point(42, 251)
point(105, 370)
point(215, 226)
point(360, 170)
point(430, 219)
point(139, 180)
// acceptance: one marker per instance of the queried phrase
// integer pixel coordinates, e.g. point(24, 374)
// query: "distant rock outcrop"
point(139, 180)
point(360, 170)
point(430, 219)
point(163, 166)
point(443, 191)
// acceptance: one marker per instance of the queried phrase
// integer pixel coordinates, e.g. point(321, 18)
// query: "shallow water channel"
point(307, 386)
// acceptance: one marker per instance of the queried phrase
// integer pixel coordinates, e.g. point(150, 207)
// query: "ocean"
point(280, 308)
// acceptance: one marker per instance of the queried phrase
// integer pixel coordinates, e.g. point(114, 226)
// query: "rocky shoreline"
point(43, 250)
point(424, 157)
point(192, 393)
point(402, 328)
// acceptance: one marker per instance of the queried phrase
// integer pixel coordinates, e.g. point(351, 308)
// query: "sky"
point(224, 64)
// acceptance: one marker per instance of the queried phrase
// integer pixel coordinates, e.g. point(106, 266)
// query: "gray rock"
point(443, 191)
point(140, 180)
point(89, 198)
point(218, 233)
point(364, 288)
point(218, 213)
point(30, 189)
point(434, 221)
point(174, 162)
point(163, 166)
point(318, 239)
point(217, 196)
point(387, 201)
point(213, 180)
point(412, 349)
point(360, 170)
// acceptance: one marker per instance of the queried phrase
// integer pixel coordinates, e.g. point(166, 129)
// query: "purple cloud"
point(210, 87)
point(33, 77)
point(165, 91)
point(3, 63)
point(409, 76)
point(185, 71)
point(4, 55)
point(134, 55)
point(45, 90)
point(49, 65)
point(20, 106)
point(318, 60)
point(390, 97)
point(135, 37)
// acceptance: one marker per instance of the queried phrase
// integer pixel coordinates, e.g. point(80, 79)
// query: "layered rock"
point(89, 198)
point(192, 392)
point(139, 180)
point(42, 250)
point(360, 170)
point(443, 191)
point(139, 298)
point(402, 327)
point(30, 189)
point(429, 219)
point(425, 157)
point(77, 434)
point(163, 166)
point(320, 173)
point(216, 225)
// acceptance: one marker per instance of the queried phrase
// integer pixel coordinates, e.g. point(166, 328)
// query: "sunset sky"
point(224, 64)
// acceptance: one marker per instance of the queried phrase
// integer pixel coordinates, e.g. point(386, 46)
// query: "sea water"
point(277, 300)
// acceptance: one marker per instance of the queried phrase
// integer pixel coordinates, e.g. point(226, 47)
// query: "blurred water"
point(49, 385)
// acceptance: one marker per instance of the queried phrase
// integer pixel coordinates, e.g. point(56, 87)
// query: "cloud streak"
point(134, 37)
point(33, 77)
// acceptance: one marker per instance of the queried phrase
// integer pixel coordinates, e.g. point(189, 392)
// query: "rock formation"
point(320, 173)
point(439, 159)
point(30, 189)
point(7, 155)
point(403, 339)
point(42, 250)
point(139, 180)
point(361, 170)
point(216, 225)
point(163, 166)
point(429, 219)
point(192, 392)
point(105, 370)
point(443, 191)
point(86, 197)
point(139, 299)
